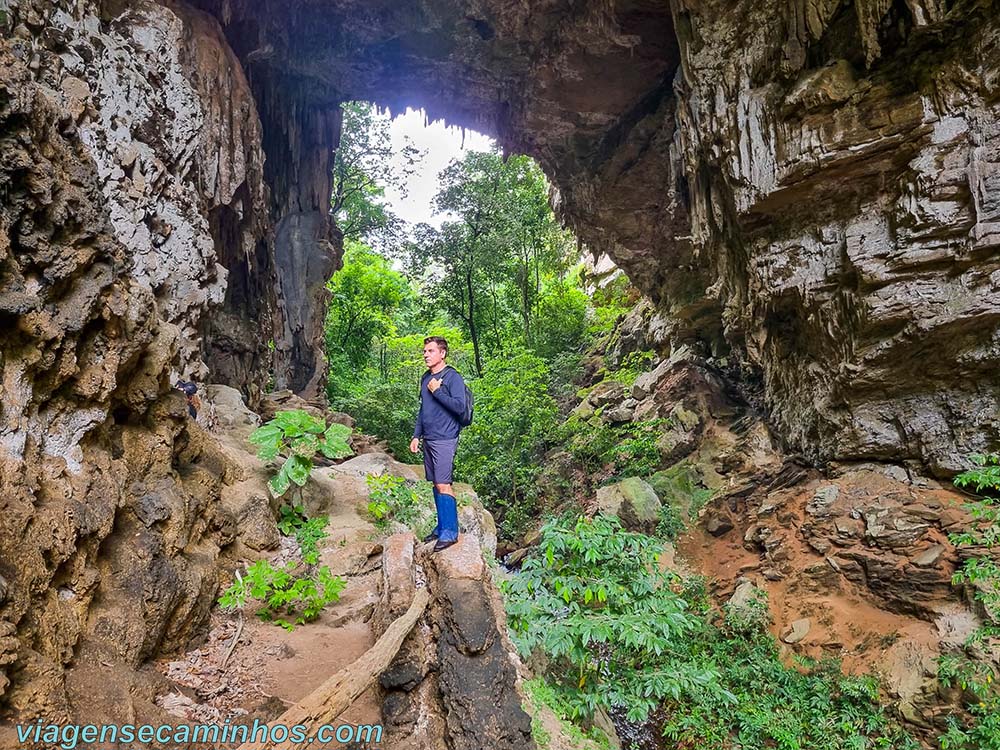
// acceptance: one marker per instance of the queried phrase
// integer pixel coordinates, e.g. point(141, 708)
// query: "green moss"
point(682, 494)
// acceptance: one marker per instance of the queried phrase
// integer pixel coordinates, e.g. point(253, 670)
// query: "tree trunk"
point(473, 332)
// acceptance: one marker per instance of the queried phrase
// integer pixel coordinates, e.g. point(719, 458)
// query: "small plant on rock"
point(308, 532)
point(291, 518)
point(309, 535)
point(287, 599)
point(391, 498)
point(298, 436)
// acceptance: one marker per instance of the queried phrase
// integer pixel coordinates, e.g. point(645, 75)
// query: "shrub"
point(541, 694)
point(594, 601)
point(616, 451)
point(287, 599)
point(290, 518)
point(309, 535)
point(747, 618)
point(392, 498)
point(632, 366)
point(682, 494)
point(298, 437)
point(983, 571)
point(308, 532)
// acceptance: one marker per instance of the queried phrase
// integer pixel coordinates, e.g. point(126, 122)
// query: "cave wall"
point(808, 190)
point(844, 178)
point(122, 138)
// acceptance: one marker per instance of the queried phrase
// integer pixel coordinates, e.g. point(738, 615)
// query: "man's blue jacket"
point(438, 415)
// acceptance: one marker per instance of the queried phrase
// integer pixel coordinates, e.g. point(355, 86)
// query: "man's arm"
point(418, 427)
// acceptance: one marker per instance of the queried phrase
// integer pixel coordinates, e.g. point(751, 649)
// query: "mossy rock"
point(606, 392)
point(681, 488)
point(634, 501)
point(583, 411)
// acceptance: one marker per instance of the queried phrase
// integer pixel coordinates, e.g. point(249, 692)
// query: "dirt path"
point(270, 668)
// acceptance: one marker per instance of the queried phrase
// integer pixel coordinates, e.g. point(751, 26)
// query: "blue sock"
point(448, 518)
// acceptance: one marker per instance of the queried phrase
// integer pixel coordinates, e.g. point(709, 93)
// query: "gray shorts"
point(439, 460)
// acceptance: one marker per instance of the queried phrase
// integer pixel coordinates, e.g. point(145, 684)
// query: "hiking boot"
point(429, 538)
point(441, 544)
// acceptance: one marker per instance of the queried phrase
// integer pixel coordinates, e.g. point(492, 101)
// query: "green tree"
point(560, 318)
point(489, 266)
point(364, 296)
point(364, 166)
point(500, 452)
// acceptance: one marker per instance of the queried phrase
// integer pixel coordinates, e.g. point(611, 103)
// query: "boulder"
point(285, 400)
point(909, 669)
point(378, 464)
point(606, 392)
point(929, 557)
point(223, 409)
point(645, 384)
point(633, 501)
point(256, 525)
point(618, 414)
point(717, 525)
point(748, 606)
point(796, 631)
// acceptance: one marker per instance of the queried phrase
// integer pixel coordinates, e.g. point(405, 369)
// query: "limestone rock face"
point(114, 170)
point(851, 217)
point(458, 660)
point(163, 111)
point(633, 501)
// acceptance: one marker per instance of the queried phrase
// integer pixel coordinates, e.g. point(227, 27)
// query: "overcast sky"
point(440, 144)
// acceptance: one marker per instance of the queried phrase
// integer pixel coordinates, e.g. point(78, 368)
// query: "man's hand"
point(433, 385)
point(414, 445)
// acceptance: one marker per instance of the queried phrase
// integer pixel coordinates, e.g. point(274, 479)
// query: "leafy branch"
point(297, 436)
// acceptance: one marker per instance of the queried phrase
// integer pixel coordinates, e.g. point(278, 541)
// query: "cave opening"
point(586, 90)
point(445, 235)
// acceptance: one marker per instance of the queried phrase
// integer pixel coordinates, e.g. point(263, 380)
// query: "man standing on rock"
point(442, 409)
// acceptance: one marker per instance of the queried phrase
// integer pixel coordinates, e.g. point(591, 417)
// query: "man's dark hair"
point(440, 341)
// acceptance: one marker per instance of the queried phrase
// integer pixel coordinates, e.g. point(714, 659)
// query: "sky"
point(440, 144)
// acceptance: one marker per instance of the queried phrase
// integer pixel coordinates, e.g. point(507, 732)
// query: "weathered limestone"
point(112, 164)
point(458, 661)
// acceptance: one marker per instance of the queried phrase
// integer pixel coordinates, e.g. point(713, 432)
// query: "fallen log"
point(330, 699)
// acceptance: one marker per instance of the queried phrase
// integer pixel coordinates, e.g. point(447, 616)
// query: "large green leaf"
point(297, 422)
point(265, 434)
point(334, 443)
point(268, 440)
point(279, 483)
point(298, 468)
point(307, 445)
